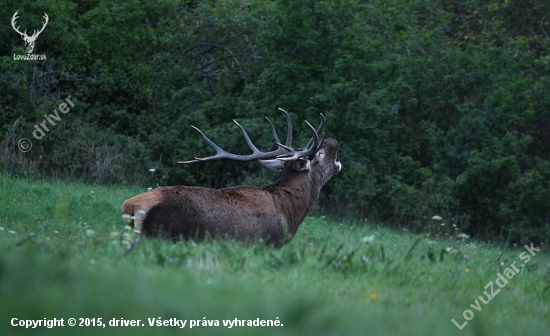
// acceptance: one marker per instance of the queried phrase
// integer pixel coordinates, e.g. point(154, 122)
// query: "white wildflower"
point(367, 239)
point(152, 170)
point(437, 218)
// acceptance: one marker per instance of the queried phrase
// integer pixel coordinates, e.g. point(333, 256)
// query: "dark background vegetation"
point(440, 107)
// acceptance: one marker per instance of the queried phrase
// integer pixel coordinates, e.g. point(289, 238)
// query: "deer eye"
point(321, 154)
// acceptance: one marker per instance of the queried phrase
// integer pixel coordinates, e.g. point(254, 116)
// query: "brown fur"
point(272, 212)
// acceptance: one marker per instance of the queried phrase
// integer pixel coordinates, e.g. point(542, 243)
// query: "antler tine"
point(289, 125)
point(247, 138)
point(318, 131)
point(273, 131)
point(13, 23)
point(322, 133)
point(322, 123)
point(219, 151)
point(310, 151)
point(36, 33)
point(321, 141)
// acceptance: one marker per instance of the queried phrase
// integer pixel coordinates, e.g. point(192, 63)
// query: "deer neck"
point(294, 194)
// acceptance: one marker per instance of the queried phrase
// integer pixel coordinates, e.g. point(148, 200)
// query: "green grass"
point(62, 255)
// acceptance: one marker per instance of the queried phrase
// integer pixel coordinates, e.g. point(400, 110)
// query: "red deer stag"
point(271, 213)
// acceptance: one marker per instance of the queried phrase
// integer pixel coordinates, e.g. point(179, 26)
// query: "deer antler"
point(13, 19)
point(283, 153)
point(36, 33)
point(43, 25)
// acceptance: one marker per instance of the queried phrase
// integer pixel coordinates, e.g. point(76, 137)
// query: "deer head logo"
point(29, 40)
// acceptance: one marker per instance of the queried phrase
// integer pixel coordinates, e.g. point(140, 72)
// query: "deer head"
point(29, 40)
point(272, 212)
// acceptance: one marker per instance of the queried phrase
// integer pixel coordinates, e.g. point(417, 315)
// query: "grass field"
point(62, 255)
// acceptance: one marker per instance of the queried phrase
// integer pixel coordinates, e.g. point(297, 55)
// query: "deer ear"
point(302, 165)
point(273, 164)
